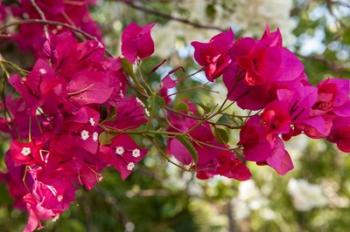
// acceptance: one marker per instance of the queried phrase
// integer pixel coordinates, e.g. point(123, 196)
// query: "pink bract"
point(137, 42)
point(213, 56)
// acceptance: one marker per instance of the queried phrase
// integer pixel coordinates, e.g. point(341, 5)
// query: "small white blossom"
point(119, 150)
point(130, 166)
point(84, 135)
point(136, 153)
point(92, 121)
point(25, 151)
point(59, 198)
point(95, 136)
point(42, 71)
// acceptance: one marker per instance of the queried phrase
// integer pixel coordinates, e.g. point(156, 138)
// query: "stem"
point(54, 23)
point(3, 95)
point(42, 16)
point(147, 88)
point(164, 155)
point(116, 130)
point(209, 116)
point(170, 17)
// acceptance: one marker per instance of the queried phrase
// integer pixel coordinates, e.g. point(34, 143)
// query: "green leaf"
point(221, 135)
point(225, 119)
point(128, 68)
point(189, 146)
point(181, 106)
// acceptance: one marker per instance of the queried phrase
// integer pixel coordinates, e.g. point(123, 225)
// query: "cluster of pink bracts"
point(263, 76)
point(55, 126)
point(59, 110)
point(30, 36)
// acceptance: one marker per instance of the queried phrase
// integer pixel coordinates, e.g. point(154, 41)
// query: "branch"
point(331, 65)
point(42, 16)
point(340, 3)
point(54, 23)
point(168, 16)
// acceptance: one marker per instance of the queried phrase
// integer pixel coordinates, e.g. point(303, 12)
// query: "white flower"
point(119, 150)
point(42, 71)
point(84, 135)
point(92, 121)
point(136, 153)
point(130, 166)
point(306, 196)
point(59, 198)
point(95, 136)
point(26, 151)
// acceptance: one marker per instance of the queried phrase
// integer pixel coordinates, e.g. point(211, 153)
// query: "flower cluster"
point(56, 122)
point(214, 158)
point(266, 78)
point(31, 36)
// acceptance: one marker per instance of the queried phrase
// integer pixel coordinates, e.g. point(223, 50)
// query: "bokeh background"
point(159, 197)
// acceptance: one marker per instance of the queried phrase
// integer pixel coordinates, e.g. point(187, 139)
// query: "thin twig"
point(42, 16)
point(344, 4)
point(54, 23)
point(331, 64)
point(168, 16)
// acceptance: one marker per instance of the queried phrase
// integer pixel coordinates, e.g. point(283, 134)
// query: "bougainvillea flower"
point(57, 119)
point(340, 133)
point(261, 147)
point(89, 87)
point(253, 138)
point(31, 36)
point(276, 118)
point(280, 159)
point(130, 113)
point(166, 84)
point(46, 201)
point(258, 69)
point(15, 184)
point(137, 42)
point(272, 38)
point(211, 161)
point(123, 154)
point(300, 103)
point(28, 153)
point(39, 87)
point(179, 151)
point(81, 166)
point(213, 56)
point(333, 97)
point(82, 128)
point(230, 166)
point(213, 157)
